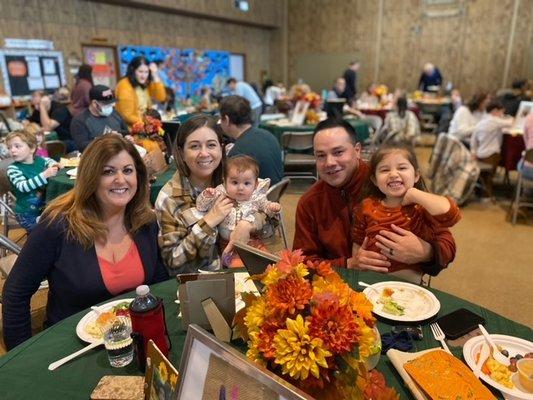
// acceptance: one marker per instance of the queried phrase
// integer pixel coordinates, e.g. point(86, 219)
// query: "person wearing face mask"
point(99, 118)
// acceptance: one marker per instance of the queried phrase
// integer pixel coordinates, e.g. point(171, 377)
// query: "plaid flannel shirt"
point(453, 171)
point(187, 242)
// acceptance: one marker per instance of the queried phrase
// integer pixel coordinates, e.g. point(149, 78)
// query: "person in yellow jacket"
point(135, 91)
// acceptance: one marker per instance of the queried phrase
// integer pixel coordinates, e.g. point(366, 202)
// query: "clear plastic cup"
point(118, 341)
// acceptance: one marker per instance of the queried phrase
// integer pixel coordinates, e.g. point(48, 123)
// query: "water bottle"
point(148, 323)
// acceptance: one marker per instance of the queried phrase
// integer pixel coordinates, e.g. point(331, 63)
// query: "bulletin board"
point(103, 59)
point(25, 71)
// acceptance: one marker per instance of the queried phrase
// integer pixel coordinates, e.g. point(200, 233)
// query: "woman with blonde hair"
point(93, 243)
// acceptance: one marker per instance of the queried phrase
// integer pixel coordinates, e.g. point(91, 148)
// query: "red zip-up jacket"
point(323, 225)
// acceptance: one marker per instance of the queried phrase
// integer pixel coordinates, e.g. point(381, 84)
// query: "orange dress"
point(371, 216)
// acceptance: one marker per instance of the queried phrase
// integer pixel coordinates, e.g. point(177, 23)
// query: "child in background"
point(242, 185)
point(28, 176)
point(39, 135)
point(395, 194)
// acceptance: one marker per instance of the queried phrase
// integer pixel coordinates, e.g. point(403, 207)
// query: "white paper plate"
point(420, 304)
point(91, 316)
point(512, 344)
point(72, 172)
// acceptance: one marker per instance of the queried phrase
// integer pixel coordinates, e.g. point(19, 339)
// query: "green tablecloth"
point(361, 127)
point(24, 370)
point(61, 183)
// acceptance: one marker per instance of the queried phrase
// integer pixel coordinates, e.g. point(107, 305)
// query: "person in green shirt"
point(28, 176)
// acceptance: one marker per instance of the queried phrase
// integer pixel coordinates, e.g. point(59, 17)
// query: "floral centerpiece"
point(312, 329)
point(149, 133)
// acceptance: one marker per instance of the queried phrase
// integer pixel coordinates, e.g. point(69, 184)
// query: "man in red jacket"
point(324, 213)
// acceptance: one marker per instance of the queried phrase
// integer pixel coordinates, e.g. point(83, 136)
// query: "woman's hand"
point(241, 233)
point(155, 71)
point(219, 211)
point(364, 259)
point(404, 246)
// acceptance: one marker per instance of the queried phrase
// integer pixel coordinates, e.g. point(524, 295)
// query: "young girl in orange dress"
point(395, 194)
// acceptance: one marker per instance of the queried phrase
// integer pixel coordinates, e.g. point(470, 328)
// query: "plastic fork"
point(438, 334)
point(496, 353)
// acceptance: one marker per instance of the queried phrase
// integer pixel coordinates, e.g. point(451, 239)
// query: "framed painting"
point(103, 59)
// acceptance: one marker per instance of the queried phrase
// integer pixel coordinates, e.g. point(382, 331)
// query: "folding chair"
point(274, 194)
point(521, 184)
point(56, 149)
point(297, 163)
point(7, 201)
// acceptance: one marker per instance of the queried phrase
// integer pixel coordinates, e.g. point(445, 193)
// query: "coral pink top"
point(126, 274)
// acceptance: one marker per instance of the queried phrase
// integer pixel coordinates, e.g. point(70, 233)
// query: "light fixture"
point(242, 5)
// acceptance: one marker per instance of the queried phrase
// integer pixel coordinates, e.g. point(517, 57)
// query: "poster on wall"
point(25, 71)
point(185, 71)
point(103, 59)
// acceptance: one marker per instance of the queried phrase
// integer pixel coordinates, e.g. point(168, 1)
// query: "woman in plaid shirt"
point(188, 238)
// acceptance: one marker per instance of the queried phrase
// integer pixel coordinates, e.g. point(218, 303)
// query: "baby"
point(242, 185)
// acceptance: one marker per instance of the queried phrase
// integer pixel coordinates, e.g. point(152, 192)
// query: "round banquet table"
point(24, 370)
point(361, 127)
point(61, 183)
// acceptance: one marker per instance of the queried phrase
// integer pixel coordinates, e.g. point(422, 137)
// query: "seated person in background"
point(272, 92)
point(246, 90)
point(395, 193)
point(368, 98)
point(324, 213)
point(93, 243)
point(486, 141)
point(430, 77)
point(100, 118)
point(338, 91)
point(526, 168)
point(401, 125)
point(519, 92)
point(261, 145)
point(37, 131)
point(59, 118)
point(248, 193)
point(35, 116)
point(466, 117)
point(28, 176)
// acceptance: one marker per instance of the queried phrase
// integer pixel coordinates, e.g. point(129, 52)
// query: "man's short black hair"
point(495, 105)
point(331, 123)
point(231, 80)
point(237, 109)
point(519, 83)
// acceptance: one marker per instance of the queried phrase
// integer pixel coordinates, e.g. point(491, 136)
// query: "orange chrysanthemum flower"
point(335, 325)
point(289, 295)
point(376, 388)
point(266, 338)
point(289, 260)
point(363, 307)
point(322, 268)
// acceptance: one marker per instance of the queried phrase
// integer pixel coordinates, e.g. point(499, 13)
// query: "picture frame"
point(298, 115)
point(104, 60)
point(212, 369)
point(161, 377)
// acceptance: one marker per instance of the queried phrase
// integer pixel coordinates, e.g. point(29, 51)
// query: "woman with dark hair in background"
point(401, 125)
point(467, 116)
point(136, 91)
point(80, 92)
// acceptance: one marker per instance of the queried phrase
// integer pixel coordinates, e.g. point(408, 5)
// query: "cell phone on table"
point(459, 323)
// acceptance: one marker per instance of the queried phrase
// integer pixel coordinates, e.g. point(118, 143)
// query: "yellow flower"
point(367, 339)
point(173, 380)
point(255, 315)
point(272, 275)
point(297, 352)
point(163, 371)
point(301, 270)
point(253, 352)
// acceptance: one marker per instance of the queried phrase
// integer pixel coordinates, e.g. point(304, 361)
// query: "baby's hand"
point(51, 171)
point(410, 196)
point(274, 207)
point(210, 192)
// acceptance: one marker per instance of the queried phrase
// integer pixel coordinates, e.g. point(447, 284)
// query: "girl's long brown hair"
point(369, 188)
point(80, 208)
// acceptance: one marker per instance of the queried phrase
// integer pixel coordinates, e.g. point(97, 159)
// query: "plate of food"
point(402, 301)
point(89, 327)
point(504, 378)
point(72, 172)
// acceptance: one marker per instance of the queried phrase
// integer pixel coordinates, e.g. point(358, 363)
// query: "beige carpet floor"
point(494, 262)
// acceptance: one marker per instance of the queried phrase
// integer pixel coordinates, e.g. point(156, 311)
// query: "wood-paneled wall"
point(470, 47)
point(68, 23)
